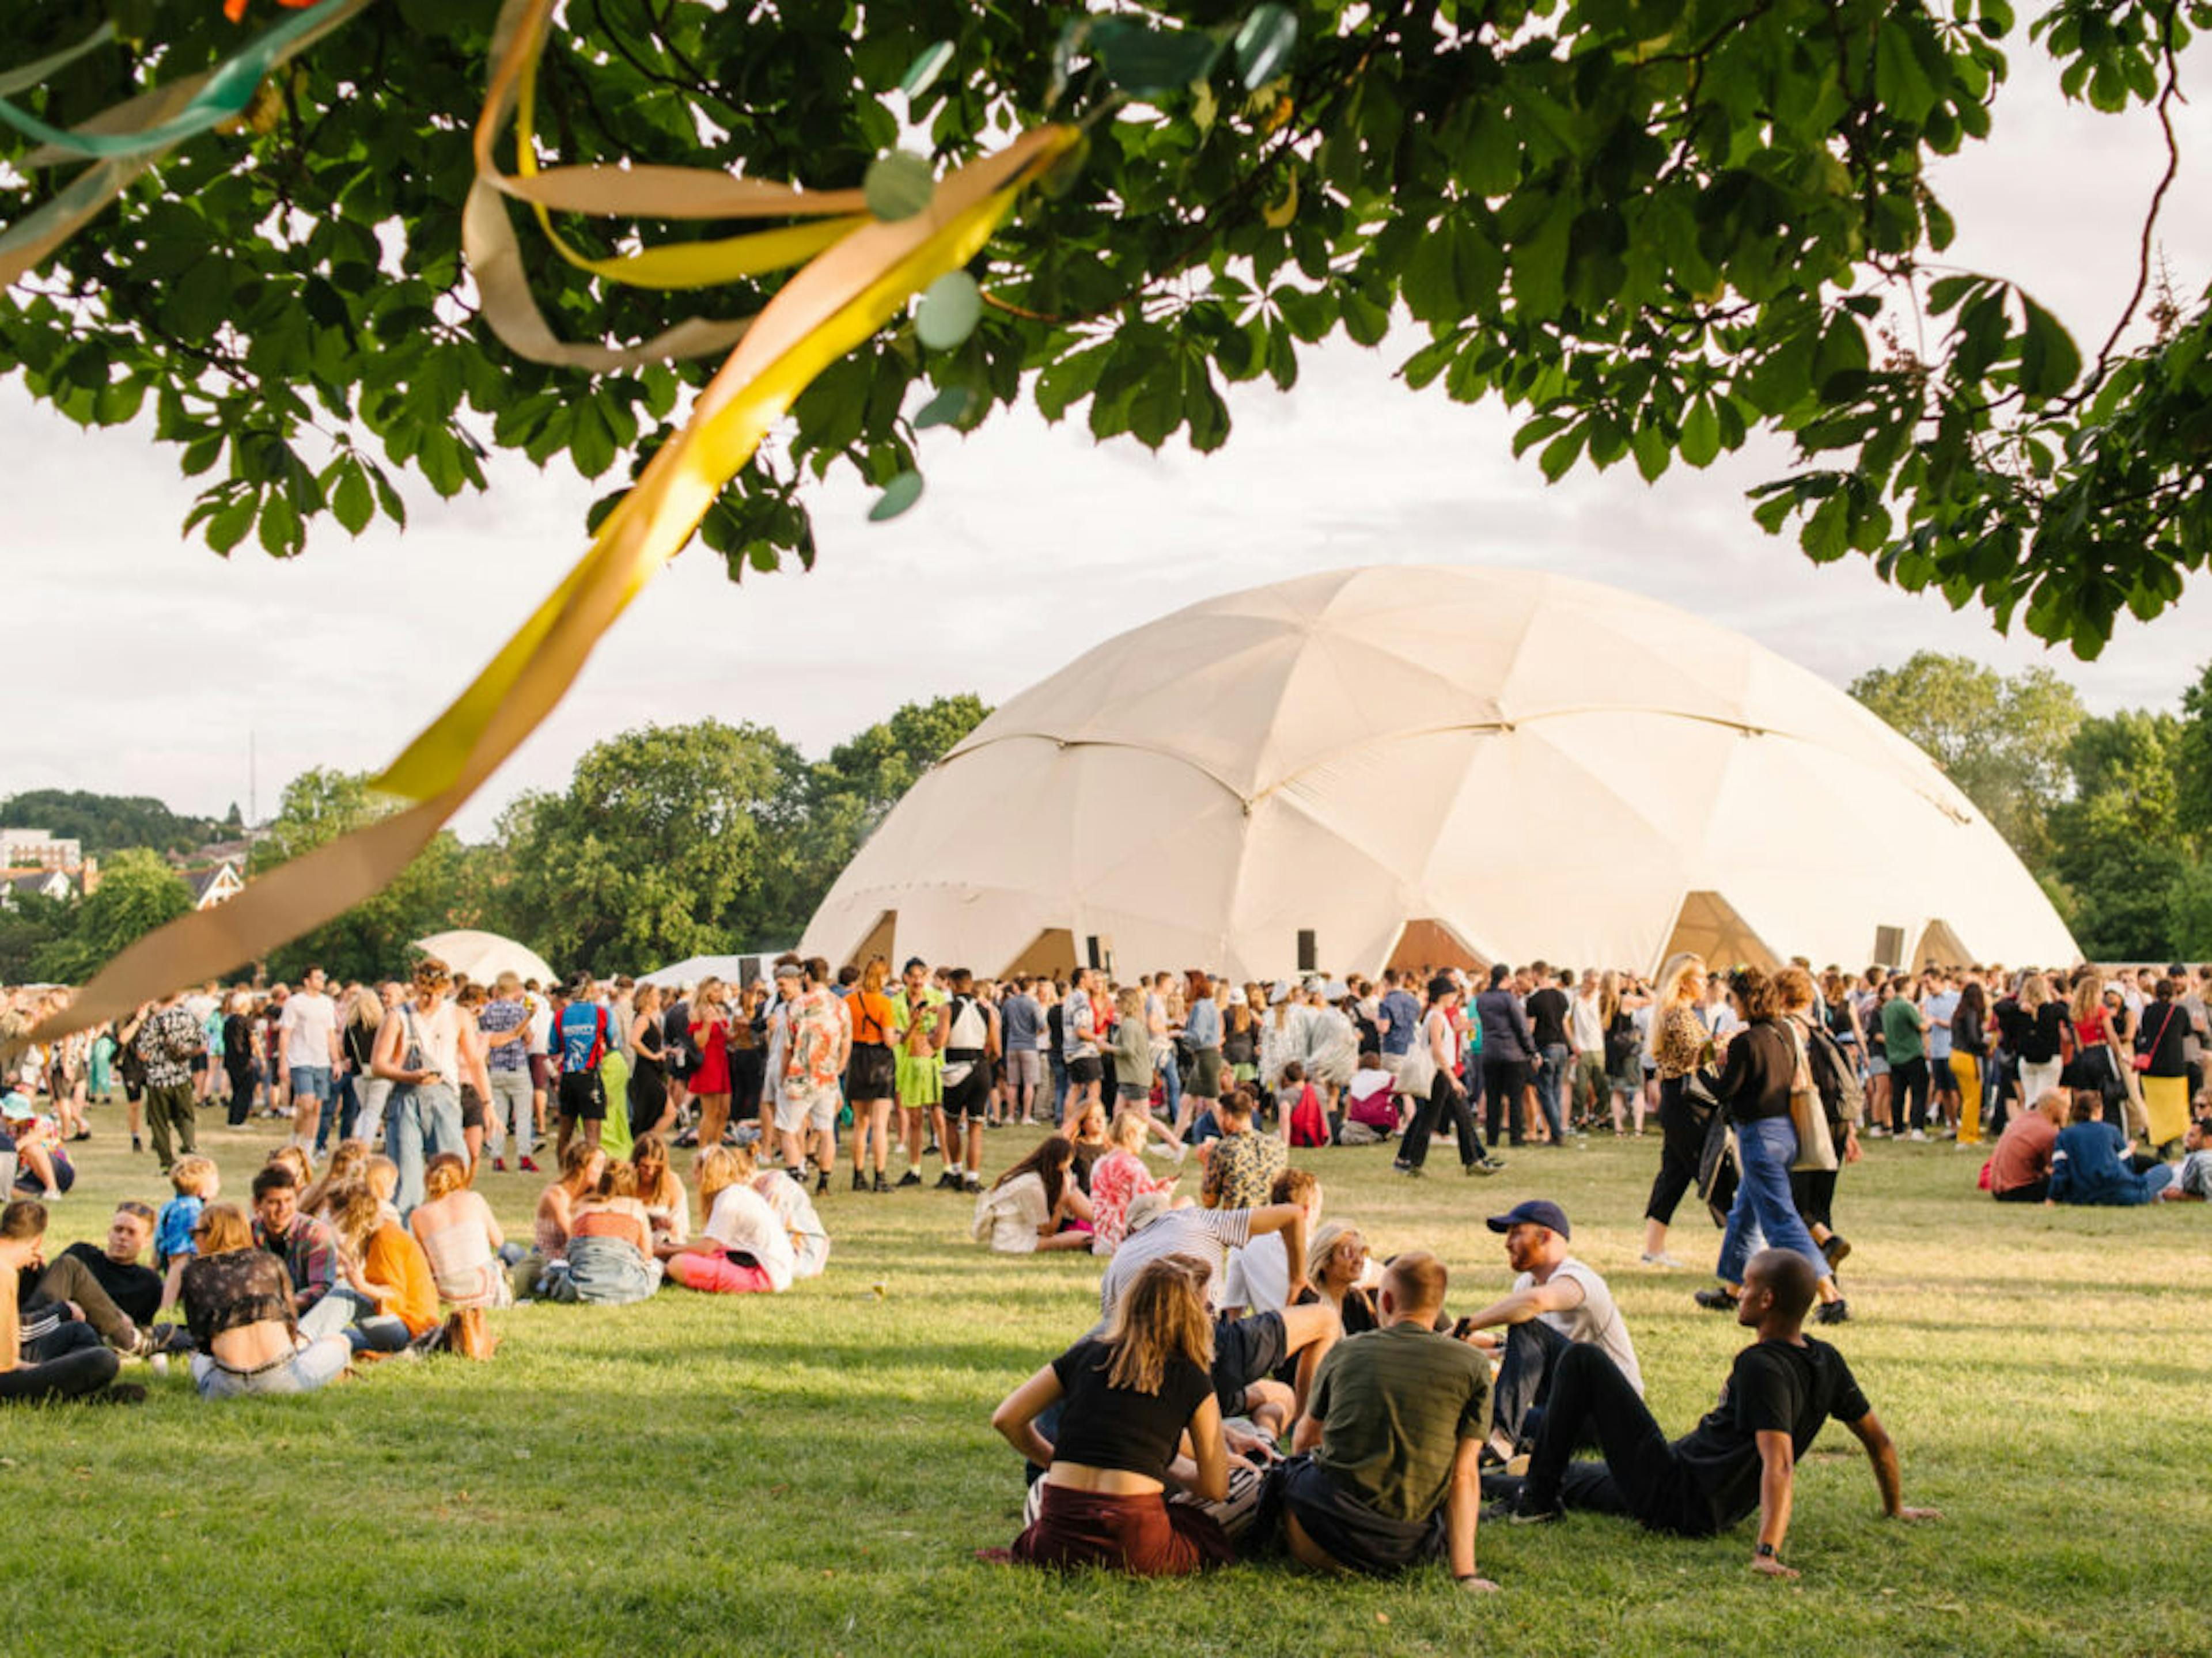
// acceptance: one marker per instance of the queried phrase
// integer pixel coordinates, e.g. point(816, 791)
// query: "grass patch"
point(808, 1473)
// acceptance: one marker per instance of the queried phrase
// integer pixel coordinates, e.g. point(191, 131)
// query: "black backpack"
point(1834, 1075)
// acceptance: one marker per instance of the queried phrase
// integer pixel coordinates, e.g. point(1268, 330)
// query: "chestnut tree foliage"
point(1653, 226)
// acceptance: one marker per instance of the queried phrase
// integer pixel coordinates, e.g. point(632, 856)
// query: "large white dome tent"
point(1441, 763)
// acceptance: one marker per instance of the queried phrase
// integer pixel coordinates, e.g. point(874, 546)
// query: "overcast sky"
point(143, 662)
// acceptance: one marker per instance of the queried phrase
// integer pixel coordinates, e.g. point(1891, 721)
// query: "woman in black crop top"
point(237, 1302)
point(1128, 1399)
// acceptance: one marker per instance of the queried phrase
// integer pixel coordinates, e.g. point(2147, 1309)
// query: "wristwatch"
point(1767, 1552)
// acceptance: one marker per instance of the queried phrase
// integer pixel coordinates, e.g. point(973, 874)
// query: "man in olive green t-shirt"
point(1388, 1470)
point(1904, 1044)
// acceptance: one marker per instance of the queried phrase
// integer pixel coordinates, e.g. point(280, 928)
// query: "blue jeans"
point(348, 1113)
point(1059, 1087)
point(1170, 1076)
point(315, 1364)
point(419, 1122)
point(1766, 1147)
point(1553, 1068)
point(337, 1312)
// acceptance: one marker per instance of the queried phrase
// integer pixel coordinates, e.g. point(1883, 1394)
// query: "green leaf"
point(591, 444)
point(1145, 62)
point(922, 73)
point(951, 307)
point(898, 186)
point(1701, 434)
point(1825, 536)
point(351, 501)
point(1560, 453)
point(279, 526)
point(229, 527)
point(948, 408)
point(901, 493)
point(1899, 80)
point(1651, 453)
point(2050, 361)
point(1263, 44)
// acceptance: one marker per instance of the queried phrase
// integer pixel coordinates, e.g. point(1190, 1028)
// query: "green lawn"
point(809, 1474)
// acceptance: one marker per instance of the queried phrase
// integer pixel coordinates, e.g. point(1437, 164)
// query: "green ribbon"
point(23, 80)
point(227, 96)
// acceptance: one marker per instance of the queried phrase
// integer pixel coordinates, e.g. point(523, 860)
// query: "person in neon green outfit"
point(918, 1022)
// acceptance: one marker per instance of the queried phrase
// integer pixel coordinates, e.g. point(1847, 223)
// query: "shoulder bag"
point(1816, 1146)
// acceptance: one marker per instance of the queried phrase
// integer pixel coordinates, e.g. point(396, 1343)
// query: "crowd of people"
point(1216, 1406)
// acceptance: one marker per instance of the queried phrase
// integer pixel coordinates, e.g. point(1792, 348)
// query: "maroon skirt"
point(1145, 1536)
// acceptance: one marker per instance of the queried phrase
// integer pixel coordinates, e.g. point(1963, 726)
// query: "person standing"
point(1080, 1027)
point(1203, 1035)
point(1938, 1008)
point(971, 1041)
point(819, 1047)
point(1547, 1008)
point(1970, 1049)
point(309, 1032)
point(1397, 1022)
point(505, 1023)
point(418, 1052)
point(1508, 1048)
point(1586, 1023)
point(167, 1039)
point(1023, 1022)
point(710, 1039)
point(237, 1060)
point(1439, 1053)
point(1904, 1043)
point(872, 1073)
point(1680, 1046)
point(580, 1034)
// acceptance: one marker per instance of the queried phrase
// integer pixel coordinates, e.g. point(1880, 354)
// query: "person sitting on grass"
point(70, 1289)
point(42, 1168)
point(2094, 1164)
point(1554, 1302)
point(2192, 1180)
point(1336, 1273)
point(743, 1247)
point(60, 1359)
point(135, 1290)
point(1241, 1164)
point(660, 1189)
point(384, 1267)
point(305, 1246)
point(1371, 1103)
point(610, 1250)
point(1035, 1205)
point(1740, 1460)
point(2019, 1164)
point(1260, 1272)
point(1120, 1178)
point(802, 1223)
point(1127, 1398)
point(239, 1305)
point(581, 1165)
point(1246, 1351)
point(460, 1233)
point(1385, 1469)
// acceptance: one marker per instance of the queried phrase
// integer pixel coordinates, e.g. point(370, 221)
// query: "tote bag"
point(1816, 1146)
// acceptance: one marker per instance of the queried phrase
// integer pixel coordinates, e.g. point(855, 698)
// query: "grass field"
point(810, 1472)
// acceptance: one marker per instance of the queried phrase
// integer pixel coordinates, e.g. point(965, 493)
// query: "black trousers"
point(72, 1361)
point(1445, 1096)
point(1503, 1083)
point(1908, 1086)
point(1814, 1192)
point(242, 1090)
point(1682, 1142)
point(1640, 1476)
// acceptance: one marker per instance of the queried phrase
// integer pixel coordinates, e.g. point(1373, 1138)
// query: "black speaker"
point(1091, 952)
point(1309, 952)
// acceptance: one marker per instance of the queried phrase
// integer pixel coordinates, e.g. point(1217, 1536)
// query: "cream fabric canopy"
point(1433, 763)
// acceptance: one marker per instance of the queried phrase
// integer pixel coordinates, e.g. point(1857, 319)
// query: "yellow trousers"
point(1968, 1069)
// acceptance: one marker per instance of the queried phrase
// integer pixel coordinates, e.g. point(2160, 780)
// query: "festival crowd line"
point(1255, 1383)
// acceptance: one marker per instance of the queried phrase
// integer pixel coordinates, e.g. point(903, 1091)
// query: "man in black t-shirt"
point(1548, 1020)
point(1740, 1459)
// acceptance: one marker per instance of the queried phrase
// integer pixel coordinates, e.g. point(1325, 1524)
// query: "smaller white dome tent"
point(1429, 764)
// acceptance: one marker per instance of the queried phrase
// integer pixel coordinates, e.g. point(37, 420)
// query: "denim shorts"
point(312, 1079)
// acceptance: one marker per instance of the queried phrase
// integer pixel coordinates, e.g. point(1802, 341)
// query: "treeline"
point(2112, 813)
point(670, 840)
point(106, 823)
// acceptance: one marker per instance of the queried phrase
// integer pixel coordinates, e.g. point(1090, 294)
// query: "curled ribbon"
point(840, 298)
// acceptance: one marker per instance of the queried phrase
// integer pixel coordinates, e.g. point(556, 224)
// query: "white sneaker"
point(1919, 1134)
point(1663, 1258)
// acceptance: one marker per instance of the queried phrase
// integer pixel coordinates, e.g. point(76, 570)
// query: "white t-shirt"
point(743, 1219)
point(541, 1022)
point(308, 1024)
point(1584, 1028)
point(1260, 1272)
point(1597, 1321)
point(801, 1222)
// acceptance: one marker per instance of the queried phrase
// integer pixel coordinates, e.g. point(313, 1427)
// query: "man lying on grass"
point(1741, 1457)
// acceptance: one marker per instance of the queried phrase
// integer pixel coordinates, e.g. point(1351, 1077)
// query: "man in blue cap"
point(1556, 1302)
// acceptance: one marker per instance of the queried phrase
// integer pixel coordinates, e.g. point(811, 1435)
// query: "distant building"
point(16, 883)
point(217, 884)
point(30, 848)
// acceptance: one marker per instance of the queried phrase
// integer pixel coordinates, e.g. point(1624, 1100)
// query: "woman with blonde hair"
point(344, 1168)
point(1127, 1398)
point(743, 1247)
point(1336, 1264)
point(611, 1262)
point(384, 1266)
point(710, 1082)
point(460, 1233)
point(2042, 1057)
point(660, 1190)
point(1120, 1178)
point(1682, 1045)
point(419, 1051)
point(1132, 1047)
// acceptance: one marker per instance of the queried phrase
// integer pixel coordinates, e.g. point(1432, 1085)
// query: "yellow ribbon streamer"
point(833, 304)
point(649, 191)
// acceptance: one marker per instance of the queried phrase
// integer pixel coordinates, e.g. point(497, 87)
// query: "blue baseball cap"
point(1537, 1212)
